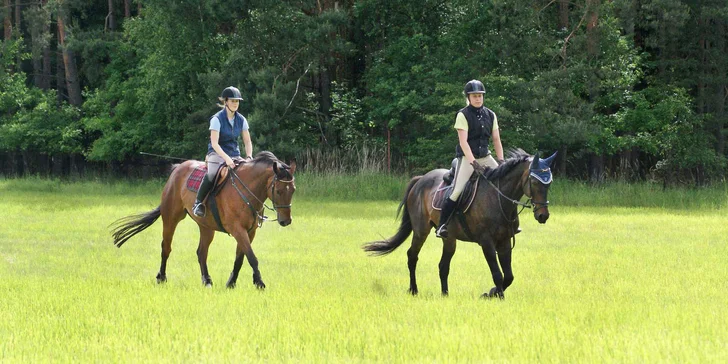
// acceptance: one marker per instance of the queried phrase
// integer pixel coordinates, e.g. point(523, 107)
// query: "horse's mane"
point(268, 158)
point(515, 157)
point(265, 157)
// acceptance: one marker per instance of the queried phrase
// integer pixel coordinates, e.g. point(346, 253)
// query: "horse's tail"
point(384, 247)
point(126, 227)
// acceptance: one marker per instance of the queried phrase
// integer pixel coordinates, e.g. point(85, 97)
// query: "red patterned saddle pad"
point(195, 178)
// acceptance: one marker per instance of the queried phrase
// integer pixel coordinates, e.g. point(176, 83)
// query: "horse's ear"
point(550, 159)
point(534, 162)
point(293, 167)
point(275, 168)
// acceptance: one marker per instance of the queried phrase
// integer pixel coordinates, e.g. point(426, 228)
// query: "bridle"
point(259, 215)
point(532, 173)
point(273, 192)
point(530, 203)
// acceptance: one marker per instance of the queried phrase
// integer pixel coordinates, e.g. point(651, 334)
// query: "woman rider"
point(225, 127)
point(476, 126)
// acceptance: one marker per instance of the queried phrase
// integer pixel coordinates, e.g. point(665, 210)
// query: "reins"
point(259, 216)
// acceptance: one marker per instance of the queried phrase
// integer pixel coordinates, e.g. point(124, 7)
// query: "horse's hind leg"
point(169, 226)
point(206, 236)
point(412, 256)
point(448, 250)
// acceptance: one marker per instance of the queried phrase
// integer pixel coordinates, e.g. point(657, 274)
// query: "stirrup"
point(199, 209)
point(441, 232)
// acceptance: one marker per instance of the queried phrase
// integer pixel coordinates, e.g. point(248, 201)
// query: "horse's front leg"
point(448, 250)
point(244, 249)
point(492, 259)
point(504, 257)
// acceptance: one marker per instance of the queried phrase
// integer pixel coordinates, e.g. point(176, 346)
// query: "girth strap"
point(212, 204)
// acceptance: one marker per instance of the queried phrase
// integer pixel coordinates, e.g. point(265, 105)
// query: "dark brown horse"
point(490, 221)
point(240, 201)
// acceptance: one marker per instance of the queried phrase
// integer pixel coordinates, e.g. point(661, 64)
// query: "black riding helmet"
point(231, 93)
point(474, 87)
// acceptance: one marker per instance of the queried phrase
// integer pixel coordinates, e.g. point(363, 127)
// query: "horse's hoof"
point(494, 293)
point(260, 285)
point(208, 285)
point(445, 293)
point(161, 279)
point(230, 285)
point(413, 292)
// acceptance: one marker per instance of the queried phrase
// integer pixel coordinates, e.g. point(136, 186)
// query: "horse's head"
point(537, 187)
point(281, 191)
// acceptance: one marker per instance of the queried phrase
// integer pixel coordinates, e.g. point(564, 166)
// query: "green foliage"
point(30, 121)
point(643, 80)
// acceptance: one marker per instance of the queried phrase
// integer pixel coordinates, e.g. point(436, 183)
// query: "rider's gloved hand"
point(478, 167)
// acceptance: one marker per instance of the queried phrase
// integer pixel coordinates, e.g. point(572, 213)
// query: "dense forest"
point(623, 89)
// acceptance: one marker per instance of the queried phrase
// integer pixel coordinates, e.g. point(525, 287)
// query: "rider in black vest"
point(476, 126)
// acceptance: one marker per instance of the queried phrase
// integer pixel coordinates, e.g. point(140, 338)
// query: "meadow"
point(620, 273)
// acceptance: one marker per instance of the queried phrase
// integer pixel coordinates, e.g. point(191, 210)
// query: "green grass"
point(607, 281)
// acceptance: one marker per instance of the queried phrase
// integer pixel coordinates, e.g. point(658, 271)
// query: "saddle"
point(195, 179)
point(444, 190)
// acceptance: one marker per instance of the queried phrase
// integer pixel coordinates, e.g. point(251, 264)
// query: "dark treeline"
point(623, 89)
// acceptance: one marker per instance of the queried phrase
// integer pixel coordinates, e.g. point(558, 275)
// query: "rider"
point(225, 126)
point(476, 126)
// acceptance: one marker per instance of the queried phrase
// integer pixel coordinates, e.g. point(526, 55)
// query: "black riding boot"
point(447, 209)
point(198, 208)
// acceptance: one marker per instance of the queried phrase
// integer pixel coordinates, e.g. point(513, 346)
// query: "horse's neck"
point(256, 178)
point(512, 184)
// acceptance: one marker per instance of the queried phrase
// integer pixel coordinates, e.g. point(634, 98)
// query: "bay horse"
point(240, 200)
point(490, 221)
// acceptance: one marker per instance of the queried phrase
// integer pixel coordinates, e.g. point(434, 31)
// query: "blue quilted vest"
point(229, 134)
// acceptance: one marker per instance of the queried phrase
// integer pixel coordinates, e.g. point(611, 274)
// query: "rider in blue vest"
point(476, 125)
point(226, 127)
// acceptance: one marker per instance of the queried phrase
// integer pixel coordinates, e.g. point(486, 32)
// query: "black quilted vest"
point(480, 128)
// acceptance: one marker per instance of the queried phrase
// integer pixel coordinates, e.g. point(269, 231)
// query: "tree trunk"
point(597, 168)
point(562, 160)
point(111, 18)
point(563, 15)
point(69, 62)
point(18, 12)
point(591, 27)
point(18, 8)
point(46, 79)
point(35, 25)
point(325, 89)
point(721, 88)
point(61, 92)
point(127, 9)
point(7, 21)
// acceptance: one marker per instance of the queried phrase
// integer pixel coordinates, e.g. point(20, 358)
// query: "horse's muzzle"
point(541, 215)
point(285, 222)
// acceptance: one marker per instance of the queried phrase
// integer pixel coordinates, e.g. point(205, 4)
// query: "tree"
point(69, 58)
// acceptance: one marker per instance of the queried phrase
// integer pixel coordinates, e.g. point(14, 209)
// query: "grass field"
point(625, 274)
